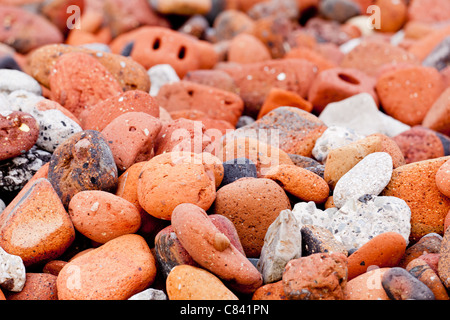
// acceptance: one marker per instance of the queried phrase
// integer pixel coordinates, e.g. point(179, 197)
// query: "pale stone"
point(160, 75)
point(369, 176)
point(282, 243)
point(12, 80)
point(12, 272)
point(149, 294)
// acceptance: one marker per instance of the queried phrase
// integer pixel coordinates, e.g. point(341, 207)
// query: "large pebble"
point(399, 284)
point(422, 271)
point(149, 294)
point(212, 249)
point(282, 243)
point(235, 169)
point(84, 161)
point(13, 80)
point(428, 244)
point(38, 227)
point(316, 239)
point(369, 176)
point(160, 75)
point(444, 260)
point(116, 270)
point(252, 204)
point(367, 286)
point(38, 286)
point(320, 276)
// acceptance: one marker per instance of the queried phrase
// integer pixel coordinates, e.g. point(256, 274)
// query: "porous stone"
point(317, 239)
point(282, 243)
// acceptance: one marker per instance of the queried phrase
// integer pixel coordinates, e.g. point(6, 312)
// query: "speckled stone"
point(444, 260)
point(423, 272)
point(38, 286)
point(415, 183)
point(82, 162)
point(367, 286)
point(12, 272)
point(149, 294)
point(399, 284)
point(428, 244)
point(235, 169)
point(317, 239)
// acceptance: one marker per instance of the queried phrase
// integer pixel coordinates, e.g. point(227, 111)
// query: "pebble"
point(160, 75)
point(369, 176)
point(86, 158)
point(367, 286)
point(235, 169)
point(436, 117)
point(13, 272)
point(316, 239)
point(282, 243)
point(444, 260)
point(320, 276)
point(279, 98)
point(422, 271)
point(38, 286)
point(428, 244)
point(149, 294)
point(116, 270)
point(18, 80)
point(399, 284)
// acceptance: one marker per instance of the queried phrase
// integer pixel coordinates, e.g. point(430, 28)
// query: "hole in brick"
point(190, 93)
point(182, 53)
point(348, 78)
point(132, 129)
point(156, 44)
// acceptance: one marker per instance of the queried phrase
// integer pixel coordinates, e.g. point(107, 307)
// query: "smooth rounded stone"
point(38, 227)
point(169, 251)
point(415, 183)
point(317, 239)
point(439, 57)
point(359, 220)
point(252, 204)
point(194, 182)
point(116, 270)
point(361, 113)
point(333, 137)
point(320, 276)
point(244, 120)
point(238, 168)
point(38, 286)
point(160, 75)
point(247, 48)
point(192, 283)
point(212, 249)
point(300, 182)
point(290, 129)
point(432, 259)
point(131, 138)
point(444, 260)
point(367, 286)
point(212, 77)
point(149, 294)
point(339, 10)
point(280, 98)
point(102, 216)
point(343, 159)
point(369, 176)
point(423, 272)
point(53, 267)
point(9, 62)
point(19, 132)
point(12, 272)
point(16, 172)
point(437, 117)
point(270, 291)
point(282, 243)
point(399, 284)
point(384, 251)
point(84, 161)
point(12, 80)
point(428, 244)
point(443, 178)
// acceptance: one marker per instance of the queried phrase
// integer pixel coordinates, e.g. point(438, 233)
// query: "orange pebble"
point(280, 97)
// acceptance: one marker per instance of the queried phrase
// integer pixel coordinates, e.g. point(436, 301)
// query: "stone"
point(210, 248)
point(84, 161)
point(432, 260)
point(160, 75)
point(78, 82)
point(291, 129)
point(235, 169)
point(105, 111)
point(246, 48)
point(420, 143)
point(216, 103)
point(423, 272)
point(433, 11)
point(13, 272)
point(384, 251)
point(229, 23)
point(339, 10)
point(129, 73)
point(182, 7)
point(255, 80)
point(415, 183)
point(13, 80)
point(313, 55)
point(361, 113)
point(367, 286)
point(428, 244)
point(300, 182)
point(212, 77)
point(407, 94)
point(436, 117)
point(116, 270)
point(19, 132)
point(399, 284)
point(282, 243)
point(16, 172)
point(53, 267)
point(320, 276)
point(252, 204)
point(270, 291)
point(439, 57)
point(280, 98)
point(333, 137)
point(318, 239)
point(192, 283)
point(131, 138)
point(393, 15)
point(337, 84)
point(102, 216)
point(343, 159)
point(444, 260)
point(369, 176)
point(2, 205)
point(149, 294)
point(442, 179)
point(29, 30)
point(38, 286)
point(194, 182)
point(38, 227)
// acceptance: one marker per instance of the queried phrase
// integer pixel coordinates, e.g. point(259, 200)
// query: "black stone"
point(238, 168)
